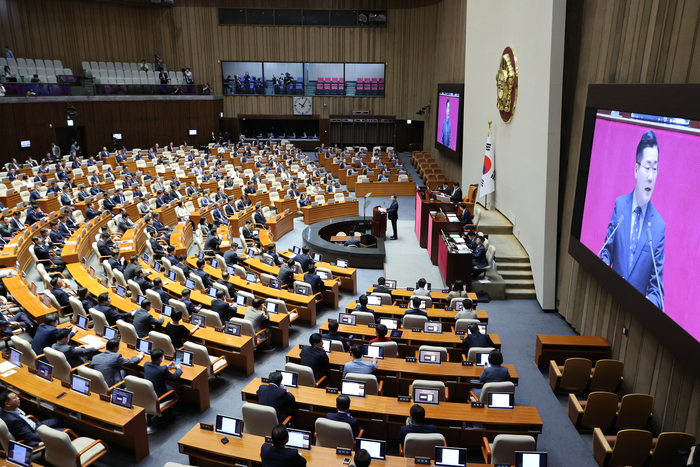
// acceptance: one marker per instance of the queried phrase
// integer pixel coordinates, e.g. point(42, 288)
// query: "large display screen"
point(639, 208)
point(448, 124)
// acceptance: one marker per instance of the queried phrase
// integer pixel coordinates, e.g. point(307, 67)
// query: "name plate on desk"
point(417, 330)
point(467, 363)
point(422, 460)
point(343, 451)
point(410, 289)
point(373, 325)
point(449, 308)
point(478, 405)
point(411, 359)
point(105, 397)
point(169, 358)
point(206, 426)
point(268, 439)
point(445, 290)
point(65, 384)
point(265, 380)
point(404, 398)
point(219, 329)
point(459, 333)
point(131, 346)
point(331, 390)
point(403, 306)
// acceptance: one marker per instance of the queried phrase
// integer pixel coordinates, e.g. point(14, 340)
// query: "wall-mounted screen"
point(633, 226)
point(448, 131)
point(25, 144)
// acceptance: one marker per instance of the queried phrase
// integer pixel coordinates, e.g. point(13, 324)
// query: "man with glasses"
point(636, 249)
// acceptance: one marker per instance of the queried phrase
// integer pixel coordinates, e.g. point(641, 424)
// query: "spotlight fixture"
point(422, 111)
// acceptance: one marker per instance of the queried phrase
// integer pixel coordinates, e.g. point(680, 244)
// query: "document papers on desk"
point(91, 341)
point(7, 366)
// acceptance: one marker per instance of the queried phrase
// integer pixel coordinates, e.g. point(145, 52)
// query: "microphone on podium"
point(656, 271)
point(619, 222)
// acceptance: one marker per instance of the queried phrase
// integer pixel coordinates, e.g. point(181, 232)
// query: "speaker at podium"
point(378, 222)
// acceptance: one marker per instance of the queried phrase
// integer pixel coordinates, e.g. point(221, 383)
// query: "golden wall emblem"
point(507, 84)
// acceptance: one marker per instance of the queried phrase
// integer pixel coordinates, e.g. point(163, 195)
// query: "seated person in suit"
point(75, 356)
point(315, 357)
point(277, 454)
point(457, 195)
point(362, 305)
point(223, 309)
point(110, 363)
point(304, 258)
point(479, 254)
point(357, 365)
point(342, 403)
point(104, 302)
point(274, 395)
point(457, 291)
point(467, 311)
point(229, 286)
point(415, 303)
point(414, 423)
point(494, 372)
point(176, 331)
point(144, 322)
point(286, 274)
point(42, 254)
point(249, 232)
point(20, 426)
point(313, 279)
point(381, 331)
point(57, 285)
point(231, 255)
point(158, 374)
point(258, 216)
point(421, 289)
point(352, 240)
point(333, 334)
point(45, 335)
point(256, 315)
point(475, 339)
point(203, 275)
point(381, 286)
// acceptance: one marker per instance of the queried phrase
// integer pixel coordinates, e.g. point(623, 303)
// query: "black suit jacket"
point(280, 456)
point(224, 310)
point(476, 340)
point(19, 428)
point(316, 359)
point(158, 375)
point(345, 418)
point(276, 397)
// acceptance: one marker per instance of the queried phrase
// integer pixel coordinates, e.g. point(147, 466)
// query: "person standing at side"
point(393, 215)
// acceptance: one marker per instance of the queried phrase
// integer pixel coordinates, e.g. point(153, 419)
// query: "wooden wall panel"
point(624, 41)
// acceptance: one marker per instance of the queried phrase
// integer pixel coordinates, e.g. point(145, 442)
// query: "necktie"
point(635, 233)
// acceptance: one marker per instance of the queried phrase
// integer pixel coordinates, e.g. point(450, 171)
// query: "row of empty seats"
point(114, 66)
point(368, 86)
point(330, 86)
point(132, 77)
point(427, 168)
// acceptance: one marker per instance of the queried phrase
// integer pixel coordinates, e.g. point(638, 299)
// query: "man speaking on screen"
point(634, 243)
point(446, 125)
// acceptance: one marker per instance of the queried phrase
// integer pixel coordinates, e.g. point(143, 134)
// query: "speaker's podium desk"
point(431, 203)
point(452, 263)
point(378, 223)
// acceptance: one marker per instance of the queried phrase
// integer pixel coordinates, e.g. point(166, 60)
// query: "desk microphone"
point(656, 271)
point(619, 221)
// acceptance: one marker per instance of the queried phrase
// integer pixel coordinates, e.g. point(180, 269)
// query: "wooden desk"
point(313, 214)
point(385, 189)
point(559, 348)
point(347, 276)
point(49, 205)
point(438, 295)
point(434, 314)
point(423, 209)
point(384, 416)
point(439, 223)
point(410, 341)
point(87, 414)
point(398, 374)
point(453, 264)
point(204, 448)
point(181, 238)
point(284, 204)
point(284, 225)
point(32, 304)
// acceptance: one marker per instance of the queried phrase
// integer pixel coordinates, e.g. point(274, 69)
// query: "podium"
point(378, 223)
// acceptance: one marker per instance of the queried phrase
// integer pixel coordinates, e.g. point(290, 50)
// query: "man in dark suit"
point(75, 356)
point(475, 339)
point(158, 288)
point(414, 423)
point(66, 198)
point(105, 245)
point(230, 208)
point(271, 250)
point(104, 302)
point(231, 255)
point(342, 403)
point(381, 288)
point(15, 222)
point(229, 286)
point(115, 262)
point(45, 335)
point(144, 322)
point(636, 250)
point(277, 454)
point(466, 215)
point(313, 279)
point(315, 357)
point(200, 272)
point(158, 251)
point(57, 285)
point(393, 215)
point(333, 334)
point(191, 308)
point(218, 216)
point(352, 240)
point(42, 253)
point(110, 363)
point(130, 269)
point(19, 425)
point(457, 195)
point(211, 246)
point(141, 279)
point(249, 232)
point(56, 236)
point(362, 305)
point(259, 217)
point(415, 303)
point(479, 254)
point(158, 374)
point(274, 395)
point(223, 309)
point(125, 223)
point(304, 259)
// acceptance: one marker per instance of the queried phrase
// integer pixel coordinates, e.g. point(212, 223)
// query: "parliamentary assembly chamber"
point(349, 232)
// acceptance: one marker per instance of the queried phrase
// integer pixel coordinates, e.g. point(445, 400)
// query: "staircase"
point(517, 274)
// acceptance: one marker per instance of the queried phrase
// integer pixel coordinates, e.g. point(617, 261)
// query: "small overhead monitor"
point(450, 457)
point(229, 426)
point(157, 267)
point(122, 397)
point(231, 270)
point(251, 277)
point(530, 459)
point(25, 144)
point(167, 310)
point(80, 384)
point(44, 370)
point(347, 319)
point(117, 135)
point(429, 356)
point(482, 359)
point(198, 320)
point(390, 284)
point(290, 379)
point(317, 257)
point(323, 275)
point(145, 346)
point(341, 263)
point(374, 300)
point(189, 283)
point(299, 439)
point(327, 345)
point(121, 291)
point(185, 357)
point(82, 322)
point(376, 448)
point(251, 252)
point(19, 454)
point(214, 263)
point(432, 327)
point(501, 400)
point(302, 290)
point(192, 132)
point(482, 328)
point(426, 396)
point(200, 255)
point(352, 388)
point(296, 250)
point(373, 351)
point(110, 333)
point(240, 300)
point(272, 307)
point(145, 258)
point(212, 292)
point(232, 329)
point(15, 357)
point(275, 284)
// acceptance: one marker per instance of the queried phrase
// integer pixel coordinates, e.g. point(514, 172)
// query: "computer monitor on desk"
point(299, 439)
point(375, 448)
point(229, 426)
point(530, 459)
point(450, 457)
point(374, 300)
point(19, 454)
point(426, 396)
point(390, 323)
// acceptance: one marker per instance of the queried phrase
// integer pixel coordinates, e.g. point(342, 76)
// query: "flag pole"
point(487, 135)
